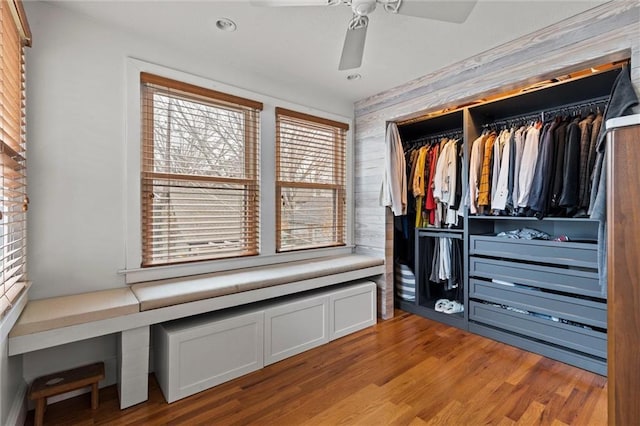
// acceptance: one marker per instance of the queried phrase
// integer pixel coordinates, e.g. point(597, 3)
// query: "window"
point(199, 175)
point(310, 181)
point(14, 35)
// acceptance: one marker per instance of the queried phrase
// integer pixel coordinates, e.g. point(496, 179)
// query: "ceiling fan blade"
point(285, 3)
point(353, 48)
point(448, 11)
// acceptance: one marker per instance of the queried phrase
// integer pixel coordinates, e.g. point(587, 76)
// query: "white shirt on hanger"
point(499, 199)
point(475, 172)
point(394, 184)
point(528, 165)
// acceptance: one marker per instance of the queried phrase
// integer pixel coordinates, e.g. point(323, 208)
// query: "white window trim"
point(133, 245)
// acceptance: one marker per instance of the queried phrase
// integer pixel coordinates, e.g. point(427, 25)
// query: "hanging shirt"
point(585, 141)
point(497, 161)
point(418, 175)
point(542, 180)
point(512, 169)
point(560, 136)
point(519, 140)
point(528, 164)
point(485, 189)
point(430, 204)
point(475, 170)
point(595, 130)
point(571, 168)
point(499, 199)
point(394, 185)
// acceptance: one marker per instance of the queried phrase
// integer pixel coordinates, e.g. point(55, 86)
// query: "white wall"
point(76, 135)
point(76, 131)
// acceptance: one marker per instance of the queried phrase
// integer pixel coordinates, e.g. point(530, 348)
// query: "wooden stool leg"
point(94, 396)
point(39, 415)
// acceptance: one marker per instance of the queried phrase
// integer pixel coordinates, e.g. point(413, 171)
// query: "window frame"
point(11, 306)
point(131, 270)
point(340, 170)
point(214, 98)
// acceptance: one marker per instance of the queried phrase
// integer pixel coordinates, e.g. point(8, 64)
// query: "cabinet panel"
point(201, 352)
point(560, 279)
point(569, 336)
point(295, 327)
point(560, 253)
point(351, 310)
point(569, 308)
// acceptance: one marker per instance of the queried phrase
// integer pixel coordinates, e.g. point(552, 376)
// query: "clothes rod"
point(539, 114)
point(452, 134)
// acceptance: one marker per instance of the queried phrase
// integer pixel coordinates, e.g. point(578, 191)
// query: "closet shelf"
point(443, 230)
point(545, 219)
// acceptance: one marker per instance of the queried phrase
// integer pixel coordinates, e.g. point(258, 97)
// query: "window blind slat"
point(199, 176)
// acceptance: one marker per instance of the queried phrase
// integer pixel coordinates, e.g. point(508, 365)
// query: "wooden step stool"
point(65, 381)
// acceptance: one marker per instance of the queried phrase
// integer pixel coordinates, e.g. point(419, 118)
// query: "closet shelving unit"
point(542, 296)
point(426, 293)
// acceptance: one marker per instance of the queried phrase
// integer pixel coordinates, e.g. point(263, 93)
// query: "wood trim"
point(623, 316)
point(197, 178)
point(308, 185)
point(251, 170)
point(147, 145)
point(20, 18)
point(197, 90)
point(541, 83)
point(312, 118)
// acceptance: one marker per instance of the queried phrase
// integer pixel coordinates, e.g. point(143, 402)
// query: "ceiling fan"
point(455, 11)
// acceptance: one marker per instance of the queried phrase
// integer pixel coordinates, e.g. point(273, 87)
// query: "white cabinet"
point(294, 327)
point(197, 353)
point(352, 309)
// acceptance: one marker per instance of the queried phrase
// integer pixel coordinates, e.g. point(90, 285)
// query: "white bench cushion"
point(64, 311)
point(164, 293)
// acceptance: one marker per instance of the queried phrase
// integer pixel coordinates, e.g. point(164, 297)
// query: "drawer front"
point(569, 308)
point(559, 253)
point(567, 280)
point(576, 338)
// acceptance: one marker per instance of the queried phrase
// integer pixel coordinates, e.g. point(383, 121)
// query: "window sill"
point(136, 275)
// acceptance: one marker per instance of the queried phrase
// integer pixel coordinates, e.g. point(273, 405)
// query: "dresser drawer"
point(569, 308)
point(560, 279)
point(559, 253)
point(580, 339)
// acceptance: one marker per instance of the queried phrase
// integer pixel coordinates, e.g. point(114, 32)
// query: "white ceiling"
point(302, 45)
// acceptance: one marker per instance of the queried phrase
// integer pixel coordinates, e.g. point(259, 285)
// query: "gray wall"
point(607, 32)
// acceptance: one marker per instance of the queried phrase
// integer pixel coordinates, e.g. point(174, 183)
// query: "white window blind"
point(199, 173)
point(14, 35)
point(310, 182)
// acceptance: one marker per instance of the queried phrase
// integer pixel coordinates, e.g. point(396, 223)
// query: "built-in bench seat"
point(131, 310)
point(59, 312)
point(164, 293)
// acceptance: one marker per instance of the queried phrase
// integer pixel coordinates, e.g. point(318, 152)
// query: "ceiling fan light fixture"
point(363, 7)
point(226, 24)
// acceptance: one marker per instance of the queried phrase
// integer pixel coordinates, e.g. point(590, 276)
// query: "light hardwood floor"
point(405, 371)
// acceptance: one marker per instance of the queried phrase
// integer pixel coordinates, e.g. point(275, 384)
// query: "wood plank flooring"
point(404, 371)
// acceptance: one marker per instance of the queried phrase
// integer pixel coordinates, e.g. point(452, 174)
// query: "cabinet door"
point(294, 327)
point(352, 309)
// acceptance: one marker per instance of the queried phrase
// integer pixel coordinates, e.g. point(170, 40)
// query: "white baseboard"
point(18, 413)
